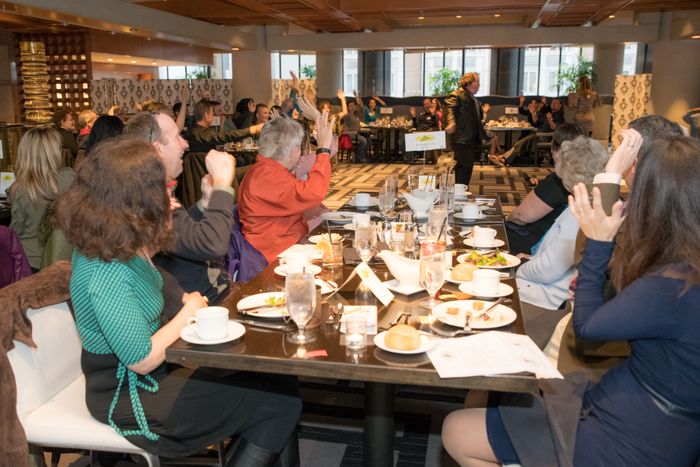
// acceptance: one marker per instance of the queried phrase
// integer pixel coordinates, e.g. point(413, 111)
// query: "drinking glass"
point(391, 183)
point(365, 240)
point(412, 179)
point(386, 201)
point(436, 217)
point(432, 270)
point(301, 303)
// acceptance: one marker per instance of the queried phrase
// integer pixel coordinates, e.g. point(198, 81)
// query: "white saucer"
point(373, 201)
point(426, 343)
point(460, 216)
point(503, 290)
point(496, 243)
point(189, 334)
point(317, 238)
point(350, 226)
point(464, 196)
point(338, 216)
point(312, 268)
point(394, 286)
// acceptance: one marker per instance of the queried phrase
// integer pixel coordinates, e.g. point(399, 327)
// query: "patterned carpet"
point(507, 183)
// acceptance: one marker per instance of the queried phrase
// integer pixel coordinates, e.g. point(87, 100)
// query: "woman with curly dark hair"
point(117, 216)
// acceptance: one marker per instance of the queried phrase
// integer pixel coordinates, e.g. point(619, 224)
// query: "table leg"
point(379, 425)
point(509, 139)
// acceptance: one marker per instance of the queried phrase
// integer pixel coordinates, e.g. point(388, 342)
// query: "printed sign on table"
point(425, 140)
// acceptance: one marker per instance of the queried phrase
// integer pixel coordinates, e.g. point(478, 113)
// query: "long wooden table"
point(269, 352)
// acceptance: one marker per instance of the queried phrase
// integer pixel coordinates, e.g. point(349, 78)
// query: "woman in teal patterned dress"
point(117, 216)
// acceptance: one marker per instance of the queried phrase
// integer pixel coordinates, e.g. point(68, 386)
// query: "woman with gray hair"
point(544, 280)
point(271, 200)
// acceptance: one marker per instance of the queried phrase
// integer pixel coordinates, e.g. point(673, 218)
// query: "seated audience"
point(222, 121)
point(63, 120)
point(262, 114)
point(202, 231)
point(644, 411)
point(244, 114)
point(105, 127)
point(272, 201)
point(556, 117)
point(86, 118)
point(351, 127)
point(536, 213)
point(117, 214)
point(203, 137)
point(371, 111)
point(544, 280)
point(40, 179)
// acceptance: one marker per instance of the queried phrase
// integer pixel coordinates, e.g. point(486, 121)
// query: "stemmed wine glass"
point(301, 303)
point(365, 240)
point(432, 270)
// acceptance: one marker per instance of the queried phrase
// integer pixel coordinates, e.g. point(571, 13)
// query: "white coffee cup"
point(483, 236)
point(470, 211)
point(359, 220)
point(485, 282)
point(460, 190)
point(211, 323)
point(362, 199)
point(295, 261)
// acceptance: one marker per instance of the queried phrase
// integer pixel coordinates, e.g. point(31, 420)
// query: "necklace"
point(147, 257)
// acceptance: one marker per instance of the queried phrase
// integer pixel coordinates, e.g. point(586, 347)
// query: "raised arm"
point(378, 99)
point(343, 104)
point(184, 99)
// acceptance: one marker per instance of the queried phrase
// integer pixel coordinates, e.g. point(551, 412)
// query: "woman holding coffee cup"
point(544, 280)
point(117, 214)
point(645, 411)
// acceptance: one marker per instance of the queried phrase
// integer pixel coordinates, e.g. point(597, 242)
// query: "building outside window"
point(479, 60)
point(223, 67)
point(413, 73)
point(541, 65)
point(396, 73)
point(531, 67)
point(629, 66)
point(283, 63)
point(183, 72)
point(350, 71)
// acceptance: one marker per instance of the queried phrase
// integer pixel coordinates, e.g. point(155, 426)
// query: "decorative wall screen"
point(632, 100)
point(126, 93)
point(282, 87)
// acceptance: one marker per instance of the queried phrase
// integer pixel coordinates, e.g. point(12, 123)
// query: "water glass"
point(391, 183)
point(436, 217)
point(355, 331)
point(432, 270)
point(386, 201)
point(301, 303)
point(365, 241)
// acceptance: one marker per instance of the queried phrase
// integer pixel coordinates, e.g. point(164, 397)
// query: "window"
point(549, 67)
point(629, 65)
point(350, 71)
point(413, 74)
point(541, 65)
point(222, 68)
point(183, 72)
point(396, 73)
point(434, 61)
point(531, 66)
point(283, 63)
point(479, 60)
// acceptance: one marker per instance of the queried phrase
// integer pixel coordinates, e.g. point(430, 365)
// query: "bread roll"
point(463, 272)
point(402, 337)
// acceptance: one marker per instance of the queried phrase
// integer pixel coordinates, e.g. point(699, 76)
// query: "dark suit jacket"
point(461, 108)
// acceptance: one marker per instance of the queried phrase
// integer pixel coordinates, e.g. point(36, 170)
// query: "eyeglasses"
point(153, 126)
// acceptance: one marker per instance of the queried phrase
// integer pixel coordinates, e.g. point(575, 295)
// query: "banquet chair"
point(543, 147)
point(51, 389)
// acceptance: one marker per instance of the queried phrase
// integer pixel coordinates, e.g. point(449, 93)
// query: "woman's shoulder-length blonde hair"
point(118, 205)
point(38, 162)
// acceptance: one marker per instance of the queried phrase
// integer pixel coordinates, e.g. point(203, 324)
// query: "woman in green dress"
point(117, 216)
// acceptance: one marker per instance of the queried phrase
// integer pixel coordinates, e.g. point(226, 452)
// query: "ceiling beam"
point(263, 9)
point(333, 12)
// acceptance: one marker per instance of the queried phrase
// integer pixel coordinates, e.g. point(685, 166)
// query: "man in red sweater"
point(271, 200)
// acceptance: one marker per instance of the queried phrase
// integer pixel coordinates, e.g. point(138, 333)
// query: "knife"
point(269, 326)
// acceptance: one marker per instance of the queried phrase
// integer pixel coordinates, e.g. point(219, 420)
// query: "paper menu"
point(490, 353)
point(369, 310)
point(6, 179)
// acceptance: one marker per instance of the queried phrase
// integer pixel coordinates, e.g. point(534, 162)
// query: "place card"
point(6, 179)
point(370, 279)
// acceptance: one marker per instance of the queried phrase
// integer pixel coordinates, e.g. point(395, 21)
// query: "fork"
point(449, 333)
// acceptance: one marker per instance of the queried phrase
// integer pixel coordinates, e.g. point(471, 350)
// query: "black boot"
point(289, 457)
point(247, 454)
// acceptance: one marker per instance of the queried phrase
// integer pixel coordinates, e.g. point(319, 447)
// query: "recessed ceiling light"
point(153, 62)
point(458, 16)
point(421, 17)
point(133, 61)
point(496, 15)
point(235, 48)
point(110, 59)
point(696, 36)
point(611, 16)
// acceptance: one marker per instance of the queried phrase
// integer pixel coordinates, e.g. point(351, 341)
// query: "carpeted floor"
point(507, 183)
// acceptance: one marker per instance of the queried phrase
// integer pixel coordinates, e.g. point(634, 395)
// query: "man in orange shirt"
point(271, 200)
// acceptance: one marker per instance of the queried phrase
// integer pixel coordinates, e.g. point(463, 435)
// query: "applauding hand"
point(324, 130)
point(593, 221)
point(626, 153)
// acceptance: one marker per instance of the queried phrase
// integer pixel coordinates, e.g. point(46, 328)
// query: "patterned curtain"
point(282, 87)
point(126, 93)
point(632, 100)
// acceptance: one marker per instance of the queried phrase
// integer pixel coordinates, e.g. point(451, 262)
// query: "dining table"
point(269, 351)
point(508, 133)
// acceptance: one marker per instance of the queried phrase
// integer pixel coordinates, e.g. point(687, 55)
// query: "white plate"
point(189, 334)
point(309, 250)
point(426, 344)
point(317, 238)
point(312, 269)
point(338, 216)
point(512, 261)
point(496, 243)
point(259, 300)
point(499, 316)
point(464, 196)
point(394, 286)
point(373, 201)
point(349, 226)
point(503, 290)
point(460, 216)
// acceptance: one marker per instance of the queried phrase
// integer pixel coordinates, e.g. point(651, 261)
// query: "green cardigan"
point(117, 309)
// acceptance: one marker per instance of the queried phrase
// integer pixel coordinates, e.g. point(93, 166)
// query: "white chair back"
point(43, 372)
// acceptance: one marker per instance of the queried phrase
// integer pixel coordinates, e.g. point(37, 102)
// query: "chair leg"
point(151, 460)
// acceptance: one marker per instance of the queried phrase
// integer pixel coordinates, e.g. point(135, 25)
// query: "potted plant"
point(568, 75)
point(308, 71)
point(444, 81)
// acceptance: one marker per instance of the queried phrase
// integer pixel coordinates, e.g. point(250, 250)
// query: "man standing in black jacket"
point(463, 124)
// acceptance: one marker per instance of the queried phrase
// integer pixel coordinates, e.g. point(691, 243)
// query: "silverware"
point(253, 310)
point(449, 333)
point(338, 315)
point(267, 326)
point(396, 320)
point(493, 305)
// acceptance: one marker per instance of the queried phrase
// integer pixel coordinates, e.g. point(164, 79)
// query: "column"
point(252, 72)
point(608, 59)
point(329, 73)
point(675, 78)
